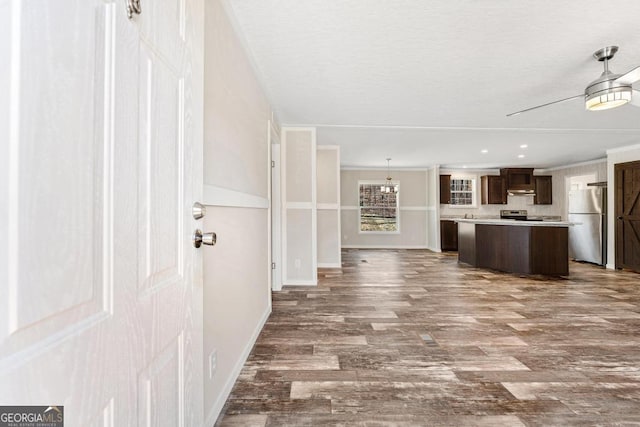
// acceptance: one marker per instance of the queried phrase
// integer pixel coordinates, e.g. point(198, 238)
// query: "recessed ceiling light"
point(464, 167)
point(485, 151)
point(524, 146)
point(520, 156)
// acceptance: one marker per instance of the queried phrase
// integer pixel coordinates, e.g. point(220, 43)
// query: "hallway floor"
point(412, 338)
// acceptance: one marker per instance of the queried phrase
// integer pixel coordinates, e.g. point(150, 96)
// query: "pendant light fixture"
point(388, 186)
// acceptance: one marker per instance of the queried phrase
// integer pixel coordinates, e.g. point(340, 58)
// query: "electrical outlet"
point(297, 263)
point(213, 363)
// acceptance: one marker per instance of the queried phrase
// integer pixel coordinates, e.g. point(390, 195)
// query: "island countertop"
point(496, 221)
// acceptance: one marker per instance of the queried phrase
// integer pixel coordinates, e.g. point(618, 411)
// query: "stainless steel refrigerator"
point(587, 237)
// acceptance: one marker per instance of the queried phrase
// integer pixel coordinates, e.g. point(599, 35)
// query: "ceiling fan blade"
point(629, 77)
point(548, 103)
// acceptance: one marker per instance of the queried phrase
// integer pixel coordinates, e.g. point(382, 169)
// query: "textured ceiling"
point(431, 82)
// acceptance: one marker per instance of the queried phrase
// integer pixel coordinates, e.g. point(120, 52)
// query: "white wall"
point(236, 178)
point(413, 210)
point(619, 155)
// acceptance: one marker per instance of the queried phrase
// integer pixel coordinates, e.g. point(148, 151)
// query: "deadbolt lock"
point(198, 210)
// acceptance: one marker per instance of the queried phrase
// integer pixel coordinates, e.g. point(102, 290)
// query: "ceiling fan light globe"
point(611, 98)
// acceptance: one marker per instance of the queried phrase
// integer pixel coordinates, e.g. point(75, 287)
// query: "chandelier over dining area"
point(389, 186)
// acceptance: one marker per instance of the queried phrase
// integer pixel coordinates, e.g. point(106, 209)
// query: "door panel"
point(65, 201)
point(161, 387)
point(70, 105)
point(161, 187)
point(101, 297)
point(163, 26)
point(627, 197)
point(57, 268)
point(165, 291)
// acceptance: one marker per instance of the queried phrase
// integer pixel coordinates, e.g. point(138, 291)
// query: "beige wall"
point(236, 110)
point(236, 155)
point(624, 155)
point(413, 210)
point(236, 296)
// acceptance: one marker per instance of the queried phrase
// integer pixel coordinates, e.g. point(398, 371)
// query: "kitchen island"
point(522, 247)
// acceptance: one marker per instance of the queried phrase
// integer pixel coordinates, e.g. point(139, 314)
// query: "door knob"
point(200, 238)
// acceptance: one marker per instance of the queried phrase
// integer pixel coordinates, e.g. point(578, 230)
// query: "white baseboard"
point(611, 267)
point(214, 412)
point(385, 247)
point(329, 265)
point(300, 283)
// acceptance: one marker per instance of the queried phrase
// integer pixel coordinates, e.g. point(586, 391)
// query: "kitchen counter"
point(497, 221)
point(522, 247)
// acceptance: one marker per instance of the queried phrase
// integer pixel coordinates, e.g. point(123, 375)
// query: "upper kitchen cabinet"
point(519, 180)
point(493, 190)
point(544, 190)
point(445, 189)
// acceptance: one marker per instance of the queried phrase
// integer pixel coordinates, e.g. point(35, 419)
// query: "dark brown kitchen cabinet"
point(519, 179)
point(544, 190)
point(445, 189)
point(448, 235)
point(493, 190)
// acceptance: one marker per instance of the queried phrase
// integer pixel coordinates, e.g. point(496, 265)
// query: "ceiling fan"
point(607, 91)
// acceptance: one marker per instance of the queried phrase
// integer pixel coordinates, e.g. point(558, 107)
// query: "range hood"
point(521, 192)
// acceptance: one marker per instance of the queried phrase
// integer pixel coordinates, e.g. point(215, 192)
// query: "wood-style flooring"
point(412, 338)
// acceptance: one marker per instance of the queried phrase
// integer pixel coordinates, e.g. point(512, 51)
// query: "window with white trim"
point(378, 207)
point(462, 192)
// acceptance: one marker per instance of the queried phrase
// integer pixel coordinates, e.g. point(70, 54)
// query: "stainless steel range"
point(520, 215)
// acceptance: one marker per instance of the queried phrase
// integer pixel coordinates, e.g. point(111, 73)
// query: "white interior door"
point(100, 287)
point(276, 220)
point(168, 343)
